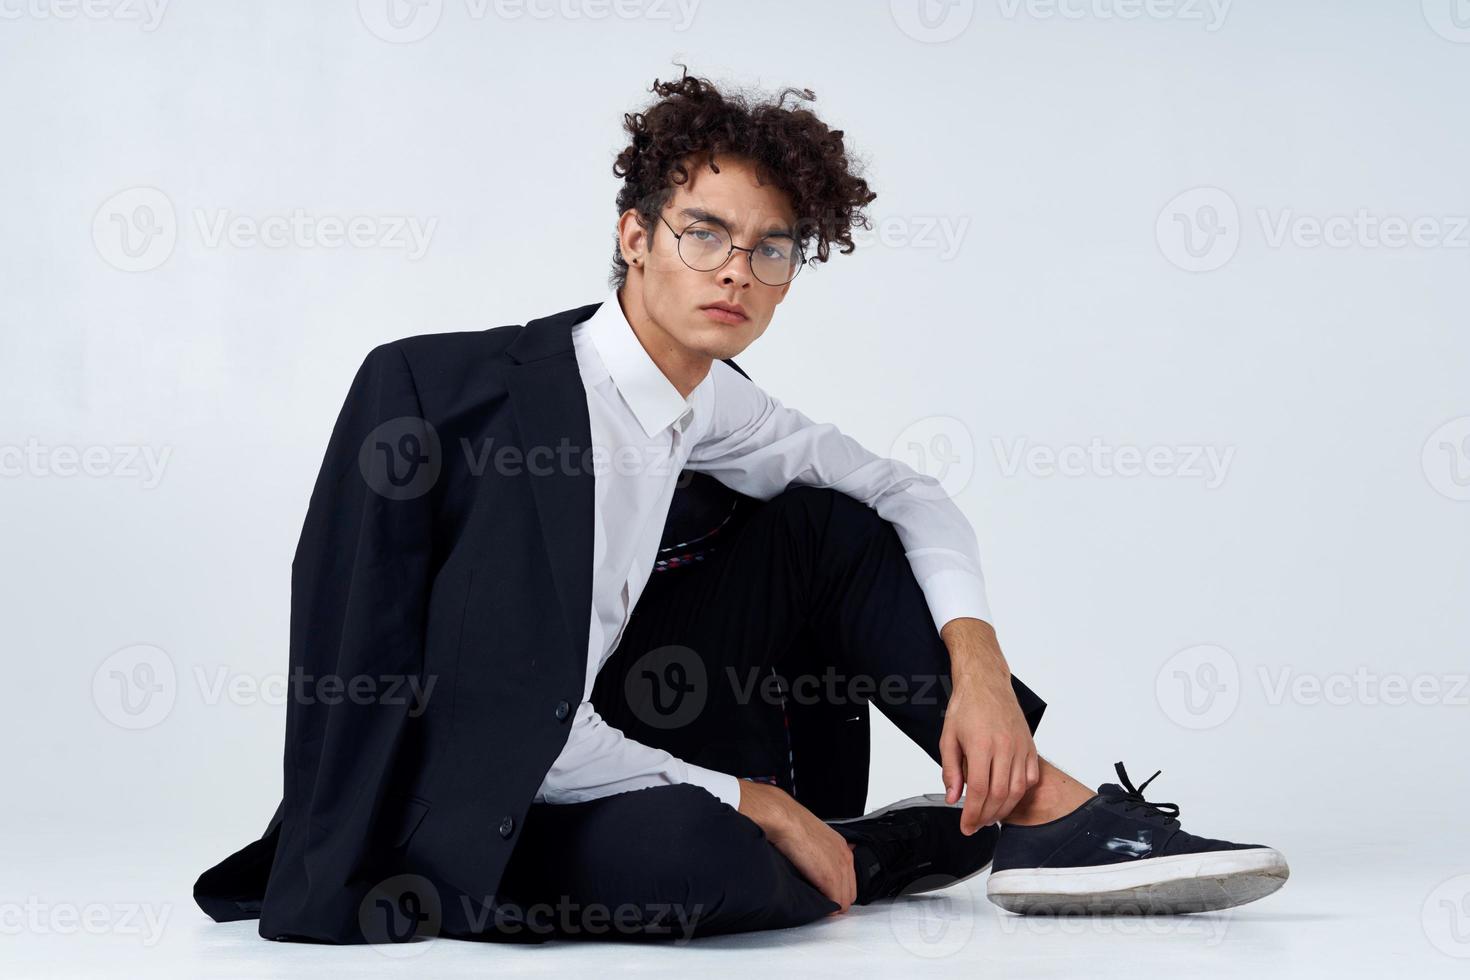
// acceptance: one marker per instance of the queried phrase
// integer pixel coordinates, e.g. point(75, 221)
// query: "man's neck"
point(684, 368)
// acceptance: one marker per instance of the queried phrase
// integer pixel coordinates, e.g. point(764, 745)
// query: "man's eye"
point(774, 251)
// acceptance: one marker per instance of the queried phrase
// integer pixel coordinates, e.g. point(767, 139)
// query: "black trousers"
point(708, 659)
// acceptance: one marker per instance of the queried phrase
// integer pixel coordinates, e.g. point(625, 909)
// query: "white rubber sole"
point(928, 883)
point(1162, 885)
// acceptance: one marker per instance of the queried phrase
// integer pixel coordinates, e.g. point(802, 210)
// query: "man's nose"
point(736, 270)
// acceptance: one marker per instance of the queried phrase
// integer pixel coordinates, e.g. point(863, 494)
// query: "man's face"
point(673, 295)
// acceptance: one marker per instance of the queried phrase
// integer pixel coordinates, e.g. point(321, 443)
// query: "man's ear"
point(632, 238)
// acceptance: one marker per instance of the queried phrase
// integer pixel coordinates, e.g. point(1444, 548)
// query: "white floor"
point(1366, 910)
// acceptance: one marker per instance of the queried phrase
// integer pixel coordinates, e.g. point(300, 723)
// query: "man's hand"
point(986, 747)
point(820, 853)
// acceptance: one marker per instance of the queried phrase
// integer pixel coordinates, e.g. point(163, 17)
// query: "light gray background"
point(1094, 229)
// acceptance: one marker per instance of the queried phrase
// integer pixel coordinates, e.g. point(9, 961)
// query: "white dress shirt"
point(643, 434)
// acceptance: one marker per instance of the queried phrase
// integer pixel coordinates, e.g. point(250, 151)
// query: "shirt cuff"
point(954, 593)
point(723, 786)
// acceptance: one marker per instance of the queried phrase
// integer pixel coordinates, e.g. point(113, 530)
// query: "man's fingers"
point(1000, 784)
point(1025, 774)
point(851, 885)
point(977, 769)
point(841, 878)
point(836, 890)
point(1020, 786)
point(949, 760)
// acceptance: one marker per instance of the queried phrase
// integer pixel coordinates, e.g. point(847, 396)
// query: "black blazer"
point(445, 568)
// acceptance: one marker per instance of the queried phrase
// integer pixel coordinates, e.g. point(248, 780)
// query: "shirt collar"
point(655, 402)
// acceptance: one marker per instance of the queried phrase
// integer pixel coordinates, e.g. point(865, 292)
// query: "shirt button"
point(507, 827)
point(562, 710)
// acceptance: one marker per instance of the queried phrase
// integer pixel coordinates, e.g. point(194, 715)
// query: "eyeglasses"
point(705, 246)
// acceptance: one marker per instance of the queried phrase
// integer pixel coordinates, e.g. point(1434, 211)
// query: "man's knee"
point(828, 510)
point(714, 871)
point(698, 846)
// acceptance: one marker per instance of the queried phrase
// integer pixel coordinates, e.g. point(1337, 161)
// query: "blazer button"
point(562, 710)
point(507, 827)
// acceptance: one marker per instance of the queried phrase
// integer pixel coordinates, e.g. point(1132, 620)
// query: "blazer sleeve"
point(359, 597)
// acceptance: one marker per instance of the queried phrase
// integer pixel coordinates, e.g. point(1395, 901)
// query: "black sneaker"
point(1120, 853)
point(914, 846)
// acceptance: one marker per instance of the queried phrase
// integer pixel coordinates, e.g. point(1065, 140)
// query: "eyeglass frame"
point(749, 252)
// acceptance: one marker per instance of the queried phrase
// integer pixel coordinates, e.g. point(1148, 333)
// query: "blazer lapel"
point(550, 407)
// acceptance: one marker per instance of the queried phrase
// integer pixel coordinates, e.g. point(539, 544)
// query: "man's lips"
point(724, 313)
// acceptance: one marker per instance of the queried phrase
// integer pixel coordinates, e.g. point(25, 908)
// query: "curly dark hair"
point(788, 145)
